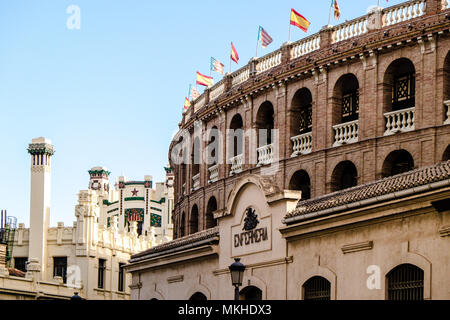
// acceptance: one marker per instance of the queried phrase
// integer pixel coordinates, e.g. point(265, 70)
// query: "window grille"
point(403, 94)
point(318, 289)
point(406, 282)
point(350, 106)
point(306, 119)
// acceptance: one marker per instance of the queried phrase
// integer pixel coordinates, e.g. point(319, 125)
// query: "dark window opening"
point(60, 267)
point(101, 273)
point(344, 176)
point(300, 182)
point(397, 162)
point(317, 289)
point(251, 293)
point(20, 264)
point(350, 106)
point(198, 296)
point(121, 284)
point(193, 223)
point(211, 208)
point(403, 93)
point(406, 282)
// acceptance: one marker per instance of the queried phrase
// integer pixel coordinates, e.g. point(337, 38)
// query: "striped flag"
point(187, 104)
point(264, 37)
point(234, 54)
point(337, 10)
point(217, 66)
point(204, 80)
point(193, 92)
point(299, 21)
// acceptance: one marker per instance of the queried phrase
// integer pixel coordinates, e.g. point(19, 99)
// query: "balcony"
point(213, 174)
point(302, 144)
point(196, 182)
point(265, 155)
point(346, 133)
point(399, 121)
point(447, 112)
point(236, 164)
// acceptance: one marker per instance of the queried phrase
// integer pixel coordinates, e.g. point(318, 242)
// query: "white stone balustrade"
point(196, 182)
point(265, 155)
point(199, 103)
point(403, 12)
point(213, 173)
point(447, 112)
point(217, 90)
point(302, 144)
point(346, 133)
point(237, 164)
point(399, 121)
point(268, 62)
point(240, 76)
point(350, 29)
point(305, 46)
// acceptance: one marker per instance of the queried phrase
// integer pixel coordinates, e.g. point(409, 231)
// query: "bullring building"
point(346, 196)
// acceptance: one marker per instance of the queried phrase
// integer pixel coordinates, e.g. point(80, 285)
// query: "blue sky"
point(111, 93)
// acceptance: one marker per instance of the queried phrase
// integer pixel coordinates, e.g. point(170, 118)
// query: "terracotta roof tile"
point(409, 180)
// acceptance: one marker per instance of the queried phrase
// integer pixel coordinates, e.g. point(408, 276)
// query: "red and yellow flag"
point(234, 54)
point(299, 21)
point(187, 104)
point(204, 80)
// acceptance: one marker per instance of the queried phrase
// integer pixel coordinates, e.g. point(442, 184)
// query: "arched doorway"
point(265, 124)
point(251, 293)
point(300, 182)
point(397, 162)
point(405, 282)
point(198, 296)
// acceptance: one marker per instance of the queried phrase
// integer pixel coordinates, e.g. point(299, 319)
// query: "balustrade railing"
point(237, 164)
point(302, 144)
point(240, 76)
point(196, 182)
point(346, 133)
point(217, 90)
point(268, 62)
point(447, 112)
point(265, 155)
point(305, 46)
point(403, 12)
point(213, 173)
point(350, 29)
point(399, 121)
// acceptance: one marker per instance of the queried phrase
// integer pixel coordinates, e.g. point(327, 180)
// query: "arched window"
point(196, 157)
point(212, 146)
point(446, 156)
point(344, 176)
point(210, 209)
point(182, 225)
point(346, 99)
point(237, 136)
point(400, 85)
point(317, 288)
point(193, 221)
point(251, 293)
point(265, 124)
point(405, 282)
point(301, 112)
point(300, 182)
point(397, 162)
point(198, 296)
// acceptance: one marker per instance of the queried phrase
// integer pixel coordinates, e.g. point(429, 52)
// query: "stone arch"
point(199, 288)
point(345, 99)
point(265, 123)
point(344, 176)
point(300, 181)
point(182, 232)
point(210, 209)
point(155, 295)
point(318, 271)
point(399, 85)
point(252, 281)
point(397, 162)
point(236, 138)
point(317, 288)
point(212, 152)
point(193, 219)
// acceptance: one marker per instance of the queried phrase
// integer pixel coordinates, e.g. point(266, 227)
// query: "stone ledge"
point(362, 246)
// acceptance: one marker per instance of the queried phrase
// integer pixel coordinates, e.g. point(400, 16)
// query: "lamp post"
point(237, 274)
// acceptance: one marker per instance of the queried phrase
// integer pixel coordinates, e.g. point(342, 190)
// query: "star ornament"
point(135, 192)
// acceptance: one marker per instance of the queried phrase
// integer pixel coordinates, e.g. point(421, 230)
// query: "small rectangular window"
point(60, 267)
point(20, 264)
point(121, 284)
point(101, 273)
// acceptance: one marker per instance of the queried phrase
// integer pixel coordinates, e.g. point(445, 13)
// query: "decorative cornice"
point(175, 279)
point(350, 248)
point(41, 148)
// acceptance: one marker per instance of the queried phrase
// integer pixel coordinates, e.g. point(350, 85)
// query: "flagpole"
point(257, 42)
point(329, 16)
point(289, 37)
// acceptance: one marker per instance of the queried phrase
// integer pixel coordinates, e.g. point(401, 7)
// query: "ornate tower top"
point(99, 179)
point(41, 146)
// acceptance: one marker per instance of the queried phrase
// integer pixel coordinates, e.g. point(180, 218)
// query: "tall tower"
point(41, 152)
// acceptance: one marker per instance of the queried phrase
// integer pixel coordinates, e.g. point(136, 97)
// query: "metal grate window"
point(350, 106)
point(403, 95)
point(317, 288)
point(306, 119)
point(405, 282)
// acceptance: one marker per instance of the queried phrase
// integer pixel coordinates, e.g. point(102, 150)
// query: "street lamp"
point(237, 274)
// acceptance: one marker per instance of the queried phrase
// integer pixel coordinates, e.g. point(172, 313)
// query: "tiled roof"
point(192, 240)
point(413, 179)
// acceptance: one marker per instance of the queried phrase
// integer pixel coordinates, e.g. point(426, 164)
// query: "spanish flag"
point(187, 104)
point(299, 21)
point(234, 54)
point(204, 80)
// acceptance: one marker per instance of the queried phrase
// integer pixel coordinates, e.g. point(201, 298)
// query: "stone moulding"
point(356, 247)
point(445, 231)
point(175, 279)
